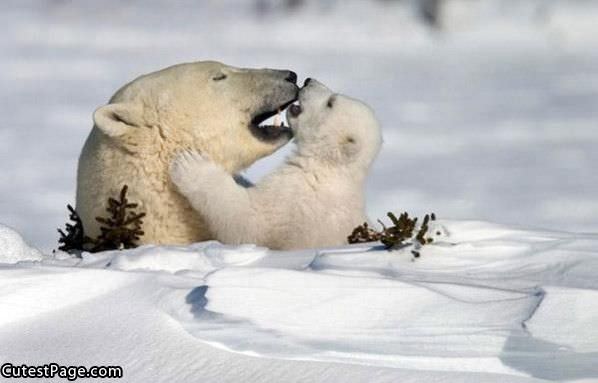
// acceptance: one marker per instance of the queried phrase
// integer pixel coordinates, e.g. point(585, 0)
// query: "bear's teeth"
point(277, 119)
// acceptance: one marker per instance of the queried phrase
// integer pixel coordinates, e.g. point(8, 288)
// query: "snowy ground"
point(484, 303)
point(493, 119)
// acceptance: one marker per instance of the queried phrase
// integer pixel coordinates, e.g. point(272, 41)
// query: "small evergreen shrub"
point(121, 229)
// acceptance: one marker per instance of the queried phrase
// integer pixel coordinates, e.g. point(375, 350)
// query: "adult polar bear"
point(314, 200)
point(204, 106)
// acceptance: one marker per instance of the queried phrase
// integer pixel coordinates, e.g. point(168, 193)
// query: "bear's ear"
point(350, 146)
point(117, 119)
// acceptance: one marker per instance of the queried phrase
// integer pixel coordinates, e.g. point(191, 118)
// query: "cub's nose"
point(291, 77)
point(307, 81)
point(295, 110)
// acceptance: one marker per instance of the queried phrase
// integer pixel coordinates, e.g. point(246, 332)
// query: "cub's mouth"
point(267, 129)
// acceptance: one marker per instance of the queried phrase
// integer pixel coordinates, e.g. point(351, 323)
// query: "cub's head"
point(207, 106)
point(334, 128)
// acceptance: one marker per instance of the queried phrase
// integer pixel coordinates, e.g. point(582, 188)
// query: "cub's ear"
point(115, 120)
point(350, 146)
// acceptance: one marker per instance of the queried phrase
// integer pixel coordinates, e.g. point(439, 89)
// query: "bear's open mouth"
point(271, 131)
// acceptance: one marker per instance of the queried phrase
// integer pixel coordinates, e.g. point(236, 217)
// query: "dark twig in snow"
point(393, 236)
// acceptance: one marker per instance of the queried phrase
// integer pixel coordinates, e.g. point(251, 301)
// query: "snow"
point(483, 303)
point(493, 119)
point(14, 248)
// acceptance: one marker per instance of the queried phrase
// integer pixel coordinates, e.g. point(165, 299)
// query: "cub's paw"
point(187, 168)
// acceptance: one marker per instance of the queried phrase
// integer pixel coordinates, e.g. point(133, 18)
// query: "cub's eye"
point(219, 77)
point(330, 102)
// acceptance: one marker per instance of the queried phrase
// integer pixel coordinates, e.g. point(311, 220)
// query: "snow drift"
point(13, 248)
point(484, 303)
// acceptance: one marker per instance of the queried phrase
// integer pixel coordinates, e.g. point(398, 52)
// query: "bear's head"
point(334, 128)
point(206, 106)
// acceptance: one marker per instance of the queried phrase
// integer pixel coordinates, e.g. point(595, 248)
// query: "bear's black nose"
point(291, 77)
point(295, 110)
point(306, 82)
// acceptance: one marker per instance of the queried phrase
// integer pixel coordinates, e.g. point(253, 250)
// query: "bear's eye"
point(350, 140)
point(330, 102)
point(219, 77)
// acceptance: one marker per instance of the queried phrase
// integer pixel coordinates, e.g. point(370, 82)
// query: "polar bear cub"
point(314, 199)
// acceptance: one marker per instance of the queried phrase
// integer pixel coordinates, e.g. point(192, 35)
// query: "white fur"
point(187, 106)
point(315, 199)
